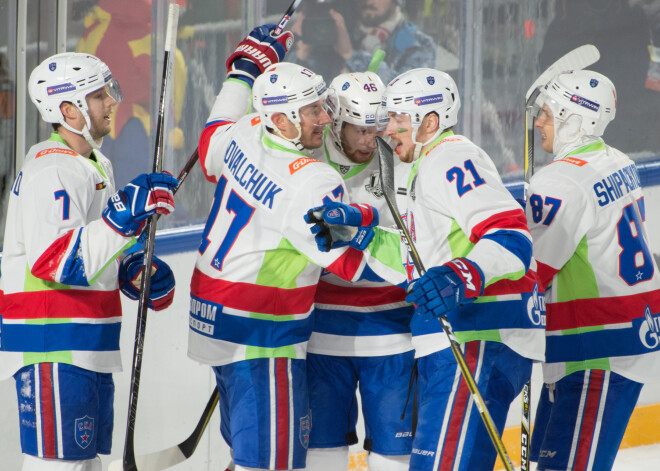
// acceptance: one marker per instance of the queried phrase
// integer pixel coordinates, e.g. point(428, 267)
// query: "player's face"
point(546, 124)
point(313, 120)
point(375, 12)
point(359, 142)
point(99, 109)
point(399, 129)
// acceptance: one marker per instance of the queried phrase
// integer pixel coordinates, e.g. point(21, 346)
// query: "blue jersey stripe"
point(73, 272)
point(350, 323)
point(515, 242)
point(60, 337)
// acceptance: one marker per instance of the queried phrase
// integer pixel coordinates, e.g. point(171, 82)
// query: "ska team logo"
point(345, 86)
point(430, 79)
point(305, 429)
point(52, 66)
point(84, 431)
point(273, 78)
point(593, 83)
point(649, 331)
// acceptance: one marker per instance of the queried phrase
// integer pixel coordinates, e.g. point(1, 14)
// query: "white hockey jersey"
point(457, 206)
point(60, 298)
point(586, 214)
point(252, 290)
point(366, 318)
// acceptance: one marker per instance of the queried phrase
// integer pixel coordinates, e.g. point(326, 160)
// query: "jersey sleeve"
point(472, 194)
point(559, 213)
point(231, 104)
point(64, 242)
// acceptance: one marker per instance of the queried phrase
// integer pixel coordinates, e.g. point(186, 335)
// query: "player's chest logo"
point(344, 169)
point(373, 186)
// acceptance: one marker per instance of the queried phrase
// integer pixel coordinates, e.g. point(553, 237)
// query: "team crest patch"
point(345, 86)
point(305, 429)
point(84, 431)
point(430, 79)
point(344, 169)
point(52, 66)
point(334, 213)
point(273, 78)
point(373, 186)
point(593, 83)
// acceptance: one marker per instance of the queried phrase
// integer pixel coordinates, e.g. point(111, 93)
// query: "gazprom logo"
point(584, 102)
point(536, 307)
point(649, 331)
point(275, 100)
point(428, 100)
point(62, 88)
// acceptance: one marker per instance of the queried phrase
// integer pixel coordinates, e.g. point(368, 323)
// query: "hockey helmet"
point(69, 77)
point(359, 95)
point(419, 92)
point(582, 93)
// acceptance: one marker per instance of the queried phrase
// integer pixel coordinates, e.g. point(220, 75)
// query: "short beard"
point(377, 20)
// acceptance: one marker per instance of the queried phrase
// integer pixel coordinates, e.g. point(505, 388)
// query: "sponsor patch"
point(427, 100)
point(275, 100)
point(55, 151)
point(574, 161)
point(256, 120)
point(61, 88)
point(590, 105)
point(84, 431)
point(300, 163)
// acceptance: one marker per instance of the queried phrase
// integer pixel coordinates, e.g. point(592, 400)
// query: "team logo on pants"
point(305, 429)
point(84, 431)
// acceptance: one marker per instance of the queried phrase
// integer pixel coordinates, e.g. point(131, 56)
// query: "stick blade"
point(577, 59)
point(386, 161)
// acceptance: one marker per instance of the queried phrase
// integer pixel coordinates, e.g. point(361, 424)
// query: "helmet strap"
point(420, 145)
point(568, 134)
point(96, 144)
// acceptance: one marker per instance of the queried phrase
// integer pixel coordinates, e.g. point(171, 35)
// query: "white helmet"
point(419, 92)
point(69, 77)
point(358, 96)
point(587, 95)
point(285, 88)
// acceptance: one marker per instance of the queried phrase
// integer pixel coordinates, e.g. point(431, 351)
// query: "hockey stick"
point(192, 160)
point(176, 454)
point(576, 59)
point(386, 160)
point(145, 284)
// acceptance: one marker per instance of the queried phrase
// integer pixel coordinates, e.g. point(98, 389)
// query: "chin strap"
point(96, 144)
point(568, 135)
point(420, 145)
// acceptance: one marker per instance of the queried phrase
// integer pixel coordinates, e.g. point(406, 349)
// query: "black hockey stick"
point(386, 160)
point(176, 454)
point(145, 283)
point(576, 59)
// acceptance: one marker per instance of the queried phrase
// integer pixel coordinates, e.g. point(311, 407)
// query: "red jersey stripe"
point(203, 146)
point(61, 304)
point(598, 311)
point(252, 298)
point(546, 273)
point(588, 426)
point(347, 265)
point(282, 439)
point(328, 293)
point(514, 219)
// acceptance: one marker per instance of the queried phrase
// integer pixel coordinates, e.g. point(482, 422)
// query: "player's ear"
point(69, 111)
point(432, 123)
point(281, 121)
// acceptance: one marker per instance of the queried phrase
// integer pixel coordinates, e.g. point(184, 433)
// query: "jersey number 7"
point(242, 212)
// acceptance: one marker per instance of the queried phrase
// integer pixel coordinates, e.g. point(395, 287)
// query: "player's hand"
point(355, 215)
point(444, 288)
point(145, 195)
point(162, 280)
point(332, 236)
point(257, 52)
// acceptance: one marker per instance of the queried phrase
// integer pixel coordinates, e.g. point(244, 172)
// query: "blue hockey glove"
point(145, 195)
point(162, 280)
point(342, 214)
point(257, 52)
point(332, 236)
point(442, 289)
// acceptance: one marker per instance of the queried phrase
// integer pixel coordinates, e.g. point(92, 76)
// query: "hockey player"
point(361, 331)
point(60, 310)
point(253, 286)
point(586, 214)
point(472, 236)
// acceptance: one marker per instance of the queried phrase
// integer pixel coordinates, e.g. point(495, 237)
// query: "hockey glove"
point(162, 280)
point(442, 289)
point(145, 195)
point(342, 214)
point(332, 236)
point(257, 52)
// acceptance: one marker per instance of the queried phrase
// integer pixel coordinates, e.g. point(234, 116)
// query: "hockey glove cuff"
point(332, 236)
point(444, 288)
point(162, 280)
point(342, 214)
point(257, 52)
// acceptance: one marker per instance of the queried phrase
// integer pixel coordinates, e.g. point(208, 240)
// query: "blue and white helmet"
point(358, 96)
point(419, 92)
point(69, 77)
point(582, 94)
